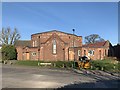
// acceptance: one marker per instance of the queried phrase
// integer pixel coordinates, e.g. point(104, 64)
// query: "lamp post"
point(38, 50)
point(73, 48)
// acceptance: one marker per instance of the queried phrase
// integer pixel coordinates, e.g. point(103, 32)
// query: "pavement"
point(36, 77)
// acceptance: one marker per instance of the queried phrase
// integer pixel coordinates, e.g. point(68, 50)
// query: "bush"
point(61, 64)
point(106, 65)
point(9, 52)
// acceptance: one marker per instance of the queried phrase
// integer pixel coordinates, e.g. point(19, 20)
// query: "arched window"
point(54, 46)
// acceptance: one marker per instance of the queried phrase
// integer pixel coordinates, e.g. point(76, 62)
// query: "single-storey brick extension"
point(60, 46)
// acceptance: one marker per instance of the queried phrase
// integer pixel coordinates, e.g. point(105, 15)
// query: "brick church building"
point(60, 46)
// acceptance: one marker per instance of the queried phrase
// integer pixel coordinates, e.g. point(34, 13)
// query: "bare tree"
point(93, 38)
point(9, 37)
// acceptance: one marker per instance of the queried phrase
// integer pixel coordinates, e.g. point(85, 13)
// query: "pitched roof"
point(23, 43)
point(97, 44)
point(55, 31)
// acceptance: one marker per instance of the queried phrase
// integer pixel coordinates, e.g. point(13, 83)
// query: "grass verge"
point(57, 64)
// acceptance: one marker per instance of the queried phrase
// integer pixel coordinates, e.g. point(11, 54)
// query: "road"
point(36, 77)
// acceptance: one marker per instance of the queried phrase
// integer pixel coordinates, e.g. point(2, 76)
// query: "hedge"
point(106, 65)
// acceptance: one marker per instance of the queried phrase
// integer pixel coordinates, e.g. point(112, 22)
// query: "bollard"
point(102, 68)
point(38, 64)
point(63, 65)
point(91, 67)
point(11, 63)
point(54, 64)
point(5, 62)
point(114, 67)
point(72, 65)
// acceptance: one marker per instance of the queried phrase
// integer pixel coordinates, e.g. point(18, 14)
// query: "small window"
point(79, 52)
point(91, 52)
point(84, 52)
point(105, 52)
point(34, 54)
point(33, 43)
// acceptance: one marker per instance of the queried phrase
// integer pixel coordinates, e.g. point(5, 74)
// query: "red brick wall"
point(64, 43)
point(76, 51)
point(99, 52)
point(19, 53)
point(45, 42)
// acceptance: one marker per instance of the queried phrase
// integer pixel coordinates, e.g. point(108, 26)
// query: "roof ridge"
point(96, 42)
point(54, 31)
point(23, 43)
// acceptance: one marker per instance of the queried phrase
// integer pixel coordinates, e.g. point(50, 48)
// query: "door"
point(27, 56)
point(100, 54)
point(71, 55)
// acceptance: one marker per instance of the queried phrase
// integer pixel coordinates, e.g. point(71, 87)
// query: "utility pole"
point(73, 47)
point(38, 50)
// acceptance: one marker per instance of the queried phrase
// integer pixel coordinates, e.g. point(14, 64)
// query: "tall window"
point(54, 46)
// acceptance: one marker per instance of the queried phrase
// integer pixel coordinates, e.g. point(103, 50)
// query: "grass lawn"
point(27, 63)
point(57, 64)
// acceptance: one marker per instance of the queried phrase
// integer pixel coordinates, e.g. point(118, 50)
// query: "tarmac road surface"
point(36, 77)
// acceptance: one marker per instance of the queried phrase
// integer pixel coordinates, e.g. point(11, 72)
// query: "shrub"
point(107, 65)
point(9, 52)
point(60, 64)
